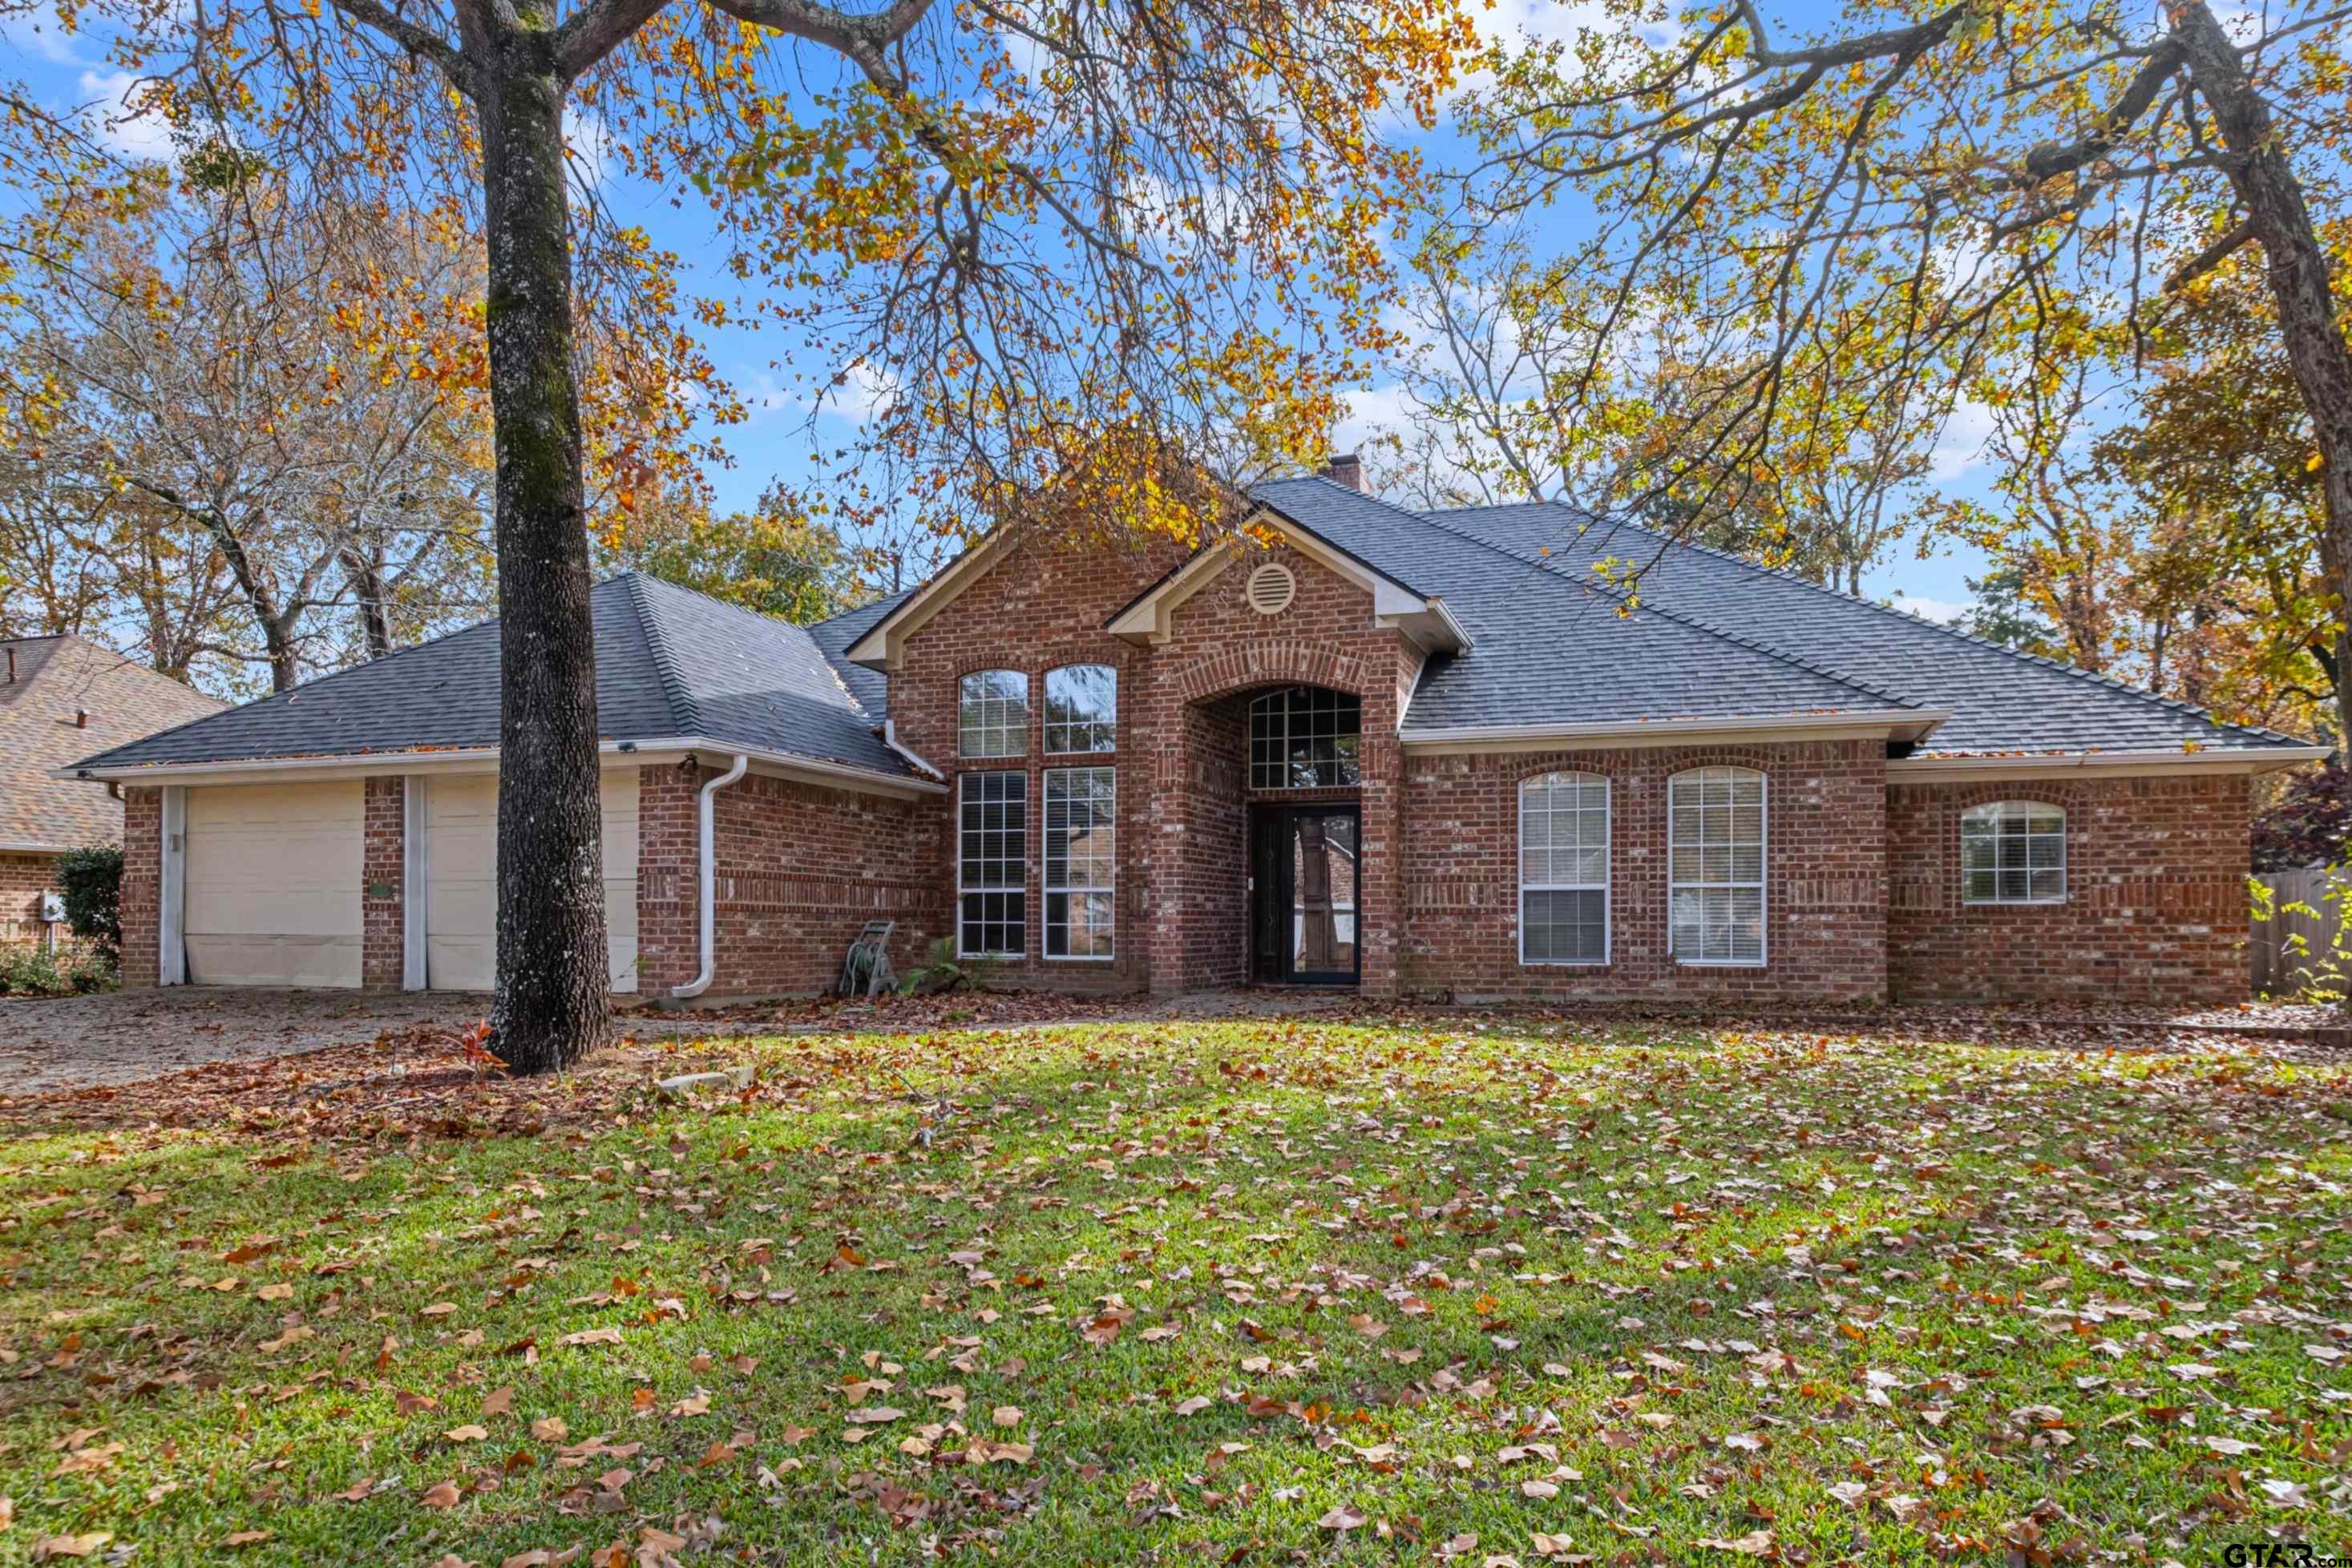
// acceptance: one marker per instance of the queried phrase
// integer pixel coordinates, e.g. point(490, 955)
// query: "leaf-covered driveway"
point(1498, 1292)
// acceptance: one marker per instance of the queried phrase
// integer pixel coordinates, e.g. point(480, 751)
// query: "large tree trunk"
point(373, 595)
point(2265, 182)
point(550, 1006)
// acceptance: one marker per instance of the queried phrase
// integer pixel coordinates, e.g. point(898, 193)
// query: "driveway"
point(75, 1042)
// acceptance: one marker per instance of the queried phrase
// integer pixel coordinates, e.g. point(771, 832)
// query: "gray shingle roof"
point(1712, 636)
point(55, 678)
point(871, 688)
point(670, 663)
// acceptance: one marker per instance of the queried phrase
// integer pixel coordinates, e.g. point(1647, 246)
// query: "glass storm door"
point(1304, 913)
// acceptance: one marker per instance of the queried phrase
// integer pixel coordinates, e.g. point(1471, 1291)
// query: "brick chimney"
point(1347, 470)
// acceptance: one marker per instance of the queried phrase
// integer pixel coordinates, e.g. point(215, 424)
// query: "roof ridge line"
point(683, 708)
point(1706, 628)
point(2110, 682)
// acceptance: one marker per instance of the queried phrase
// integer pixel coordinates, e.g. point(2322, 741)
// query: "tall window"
point(1564, 869)
point(1715, 850)
point(1082, 709)
point(991, 861)
point(2013, 852)
point(1081, 860)
point(992, 714)
point(1305, 737)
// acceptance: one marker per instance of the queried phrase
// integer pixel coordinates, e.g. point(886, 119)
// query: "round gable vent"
point(1271, 587)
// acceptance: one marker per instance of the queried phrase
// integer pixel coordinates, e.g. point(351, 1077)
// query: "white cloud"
point(588, 143)
point(39, 34)
point(1961, 444)
point(118, 117)
point(1941, 611)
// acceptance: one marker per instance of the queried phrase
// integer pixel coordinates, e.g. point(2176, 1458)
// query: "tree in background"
point(2307, 822)
point(775, 560)
point(1092, 245)
point(262, 422)
point(1970, 200)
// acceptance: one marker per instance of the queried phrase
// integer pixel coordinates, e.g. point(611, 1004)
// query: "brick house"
point(1414, 753)
point(60, 696)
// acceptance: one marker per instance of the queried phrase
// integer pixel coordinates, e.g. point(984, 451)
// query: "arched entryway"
point(1271, 861)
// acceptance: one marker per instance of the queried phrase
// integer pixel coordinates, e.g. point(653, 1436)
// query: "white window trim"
point(1045, 861)
point(1026, 710)
point(1608, 867)
point(2066, 881)
point(1763, 883)
point(1021, 887)
point(1045, 714)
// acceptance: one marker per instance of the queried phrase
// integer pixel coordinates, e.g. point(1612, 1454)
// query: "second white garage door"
point(461, 890)
point(273, 884)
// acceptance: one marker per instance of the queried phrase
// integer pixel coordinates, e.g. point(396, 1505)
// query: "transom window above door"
point(1082, 707)
point(1305, 737)
point(992, 714)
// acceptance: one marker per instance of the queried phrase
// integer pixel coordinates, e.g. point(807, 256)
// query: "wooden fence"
point(2283, 965)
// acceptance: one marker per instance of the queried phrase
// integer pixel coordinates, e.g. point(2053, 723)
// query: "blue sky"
point(69, 71)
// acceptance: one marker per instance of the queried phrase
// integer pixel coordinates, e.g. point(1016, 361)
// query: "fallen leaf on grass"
point(1343, 1518)
point(1755, 1543)
point(550, 1429)
point(247, 1537)
point(469, 1433)
point(444, 1494)
point(604, 1336)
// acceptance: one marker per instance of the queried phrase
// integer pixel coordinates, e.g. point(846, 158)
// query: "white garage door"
point(461, 887)
point(273, 884)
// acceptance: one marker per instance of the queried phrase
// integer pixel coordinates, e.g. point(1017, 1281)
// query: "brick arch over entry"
point(1270, 662)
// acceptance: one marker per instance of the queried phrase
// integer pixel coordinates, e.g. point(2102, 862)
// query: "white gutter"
point(1674, 731)
point(890, 739)
point(706, 888)
point(2253, 759)
point(484, 759)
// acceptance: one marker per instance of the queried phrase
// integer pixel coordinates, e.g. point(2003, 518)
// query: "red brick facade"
point(801, 869)
point(1863, 900)
point(2155, 895)
point(23, 880)
point(1825, 858)
point(139, 906)
point(382, 876)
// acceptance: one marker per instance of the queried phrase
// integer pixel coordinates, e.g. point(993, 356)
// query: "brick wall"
point(801, 867)
point(2155, 895)
point(1219, 649)
point(1041, 607)
point(23, 880)
point(383, 882)
point(1825, 876)
point(142, 859)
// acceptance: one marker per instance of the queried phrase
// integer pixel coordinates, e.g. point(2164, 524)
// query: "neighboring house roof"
point(671, 665)
point(1706, 634)
point(55, 678)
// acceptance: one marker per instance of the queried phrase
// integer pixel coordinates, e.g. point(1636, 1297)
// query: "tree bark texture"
point(552, 980)
point(2265, 183)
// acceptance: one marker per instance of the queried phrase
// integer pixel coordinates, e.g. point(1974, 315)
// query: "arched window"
point(2013, 852)
point(1082, 707)
point(1564, 869)
point(1715, 853)
point(992, 714)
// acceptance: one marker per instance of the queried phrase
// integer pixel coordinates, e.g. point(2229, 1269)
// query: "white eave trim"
point(1422, 617)
point(40, 848)
point(883, 645)
point(1887, 723)
point(485, 759)
point(1958, 768)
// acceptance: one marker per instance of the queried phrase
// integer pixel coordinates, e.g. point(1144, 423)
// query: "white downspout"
point(706, 912)
point(890, 739)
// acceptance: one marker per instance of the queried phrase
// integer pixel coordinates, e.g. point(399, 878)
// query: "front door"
point(1304, 914)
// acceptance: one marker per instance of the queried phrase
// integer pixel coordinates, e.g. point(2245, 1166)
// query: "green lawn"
point(1245, 1291)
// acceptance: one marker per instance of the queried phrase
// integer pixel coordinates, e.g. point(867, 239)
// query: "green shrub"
point(29, 971)
point(92, 880)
